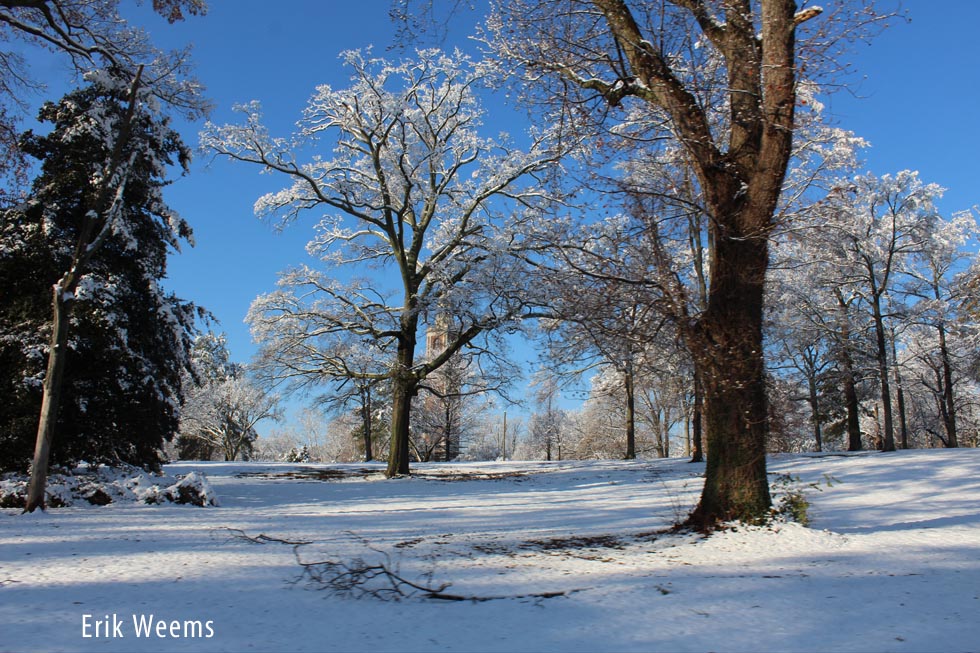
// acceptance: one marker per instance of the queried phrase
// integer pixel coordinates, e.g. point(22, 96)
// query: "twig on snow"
point(378, 580)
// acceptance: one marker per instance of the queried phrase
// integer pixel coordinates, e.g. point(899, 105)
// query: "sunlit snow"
point(891, 563)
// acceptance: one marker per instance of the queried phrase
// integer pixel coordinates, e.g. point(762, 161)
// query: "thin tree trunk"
point(94, 230)
point(630, 413)
point(847, 380)
point(815, 413)
point(447, 428)
point(949, 398)
point(366, 414)
point(888, 443)
point(51, 401)
point(900, 397)
point(696, 418)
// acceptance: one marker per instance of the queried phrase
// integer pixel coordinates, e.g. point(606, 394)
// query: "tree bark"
point(888, 443)
point(630, 413)
point(948, 398)
point(92, 235)
point(852, 406)
point(814, 400)
point(366, 416)
point(847, 378)
point(903, 428)
point(697, 434)
point(51, 400)
point(404, 388)
point(736, 486)
point(741, 182)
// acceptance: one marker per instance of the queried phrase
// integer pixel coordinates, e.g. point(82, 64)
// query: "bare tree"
point(720, 81)
point(874, 229)
point(416, 193)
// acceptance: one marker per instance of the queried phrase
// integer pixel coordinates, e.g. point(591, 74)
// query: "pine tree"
point(128, 340)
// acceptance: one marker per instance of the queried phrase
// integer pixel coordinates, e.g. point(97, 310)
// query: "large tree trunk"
point(736, 486)
point(741, 184)
point(404, 388)
point(51, 400)
point(852, 406)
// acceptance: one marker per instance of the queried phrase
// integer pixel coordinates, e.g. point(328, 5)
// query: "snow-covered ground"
point(891, 563)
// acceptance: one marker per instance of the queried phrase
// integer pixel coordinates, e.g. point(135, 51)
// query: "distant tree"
point(417, 194)
point(223, 405)
point(547, 424)
point(939, 284)
point(875, 229)
point(93, 237)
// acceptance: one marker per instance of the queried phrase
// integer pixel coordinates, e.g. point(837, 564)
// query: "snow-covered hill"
point(572, 556)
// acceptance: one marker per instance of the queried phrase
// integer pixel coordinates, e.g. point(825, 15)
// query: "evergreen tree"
point(128, 340)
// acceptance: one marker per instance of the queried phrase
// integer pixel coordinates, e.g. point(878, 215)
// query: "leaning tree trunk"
point(733, 373)
point(93, 233)
point(51, 400)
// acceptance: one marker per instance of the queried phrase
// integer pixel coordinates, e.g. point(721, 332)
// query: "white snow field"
point(891, 562)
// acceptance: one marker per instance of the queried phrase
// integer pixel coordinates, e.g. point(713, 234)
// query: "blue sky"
point(914, 97)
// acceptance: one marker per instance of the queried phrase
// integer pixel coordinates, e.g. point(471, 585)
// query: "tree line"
point(681, 215)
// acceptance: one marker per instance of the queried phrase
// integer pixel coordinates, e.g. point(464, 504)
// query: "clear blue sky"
point(915, 99)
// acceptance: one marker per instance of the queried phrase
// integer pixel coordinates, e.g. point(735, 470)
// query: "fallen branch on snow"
point(378, 580)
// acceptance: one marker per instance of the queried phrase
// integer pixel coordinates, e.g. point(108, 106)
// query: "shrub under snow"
point(106, 485)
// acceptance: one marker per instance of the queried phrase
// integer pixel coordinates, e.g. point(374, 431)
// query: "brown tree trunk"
point(903, 427)
point(736, 486)
point(949, 399)
point(404, 388)
point(366, 410)
point(888, 442)
point(741, 183)
point(51, 400)
point(814, 400)
point(630, 413)
point(94, 230)
point(696, 419)
point(847, 379)
point(852, 407)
